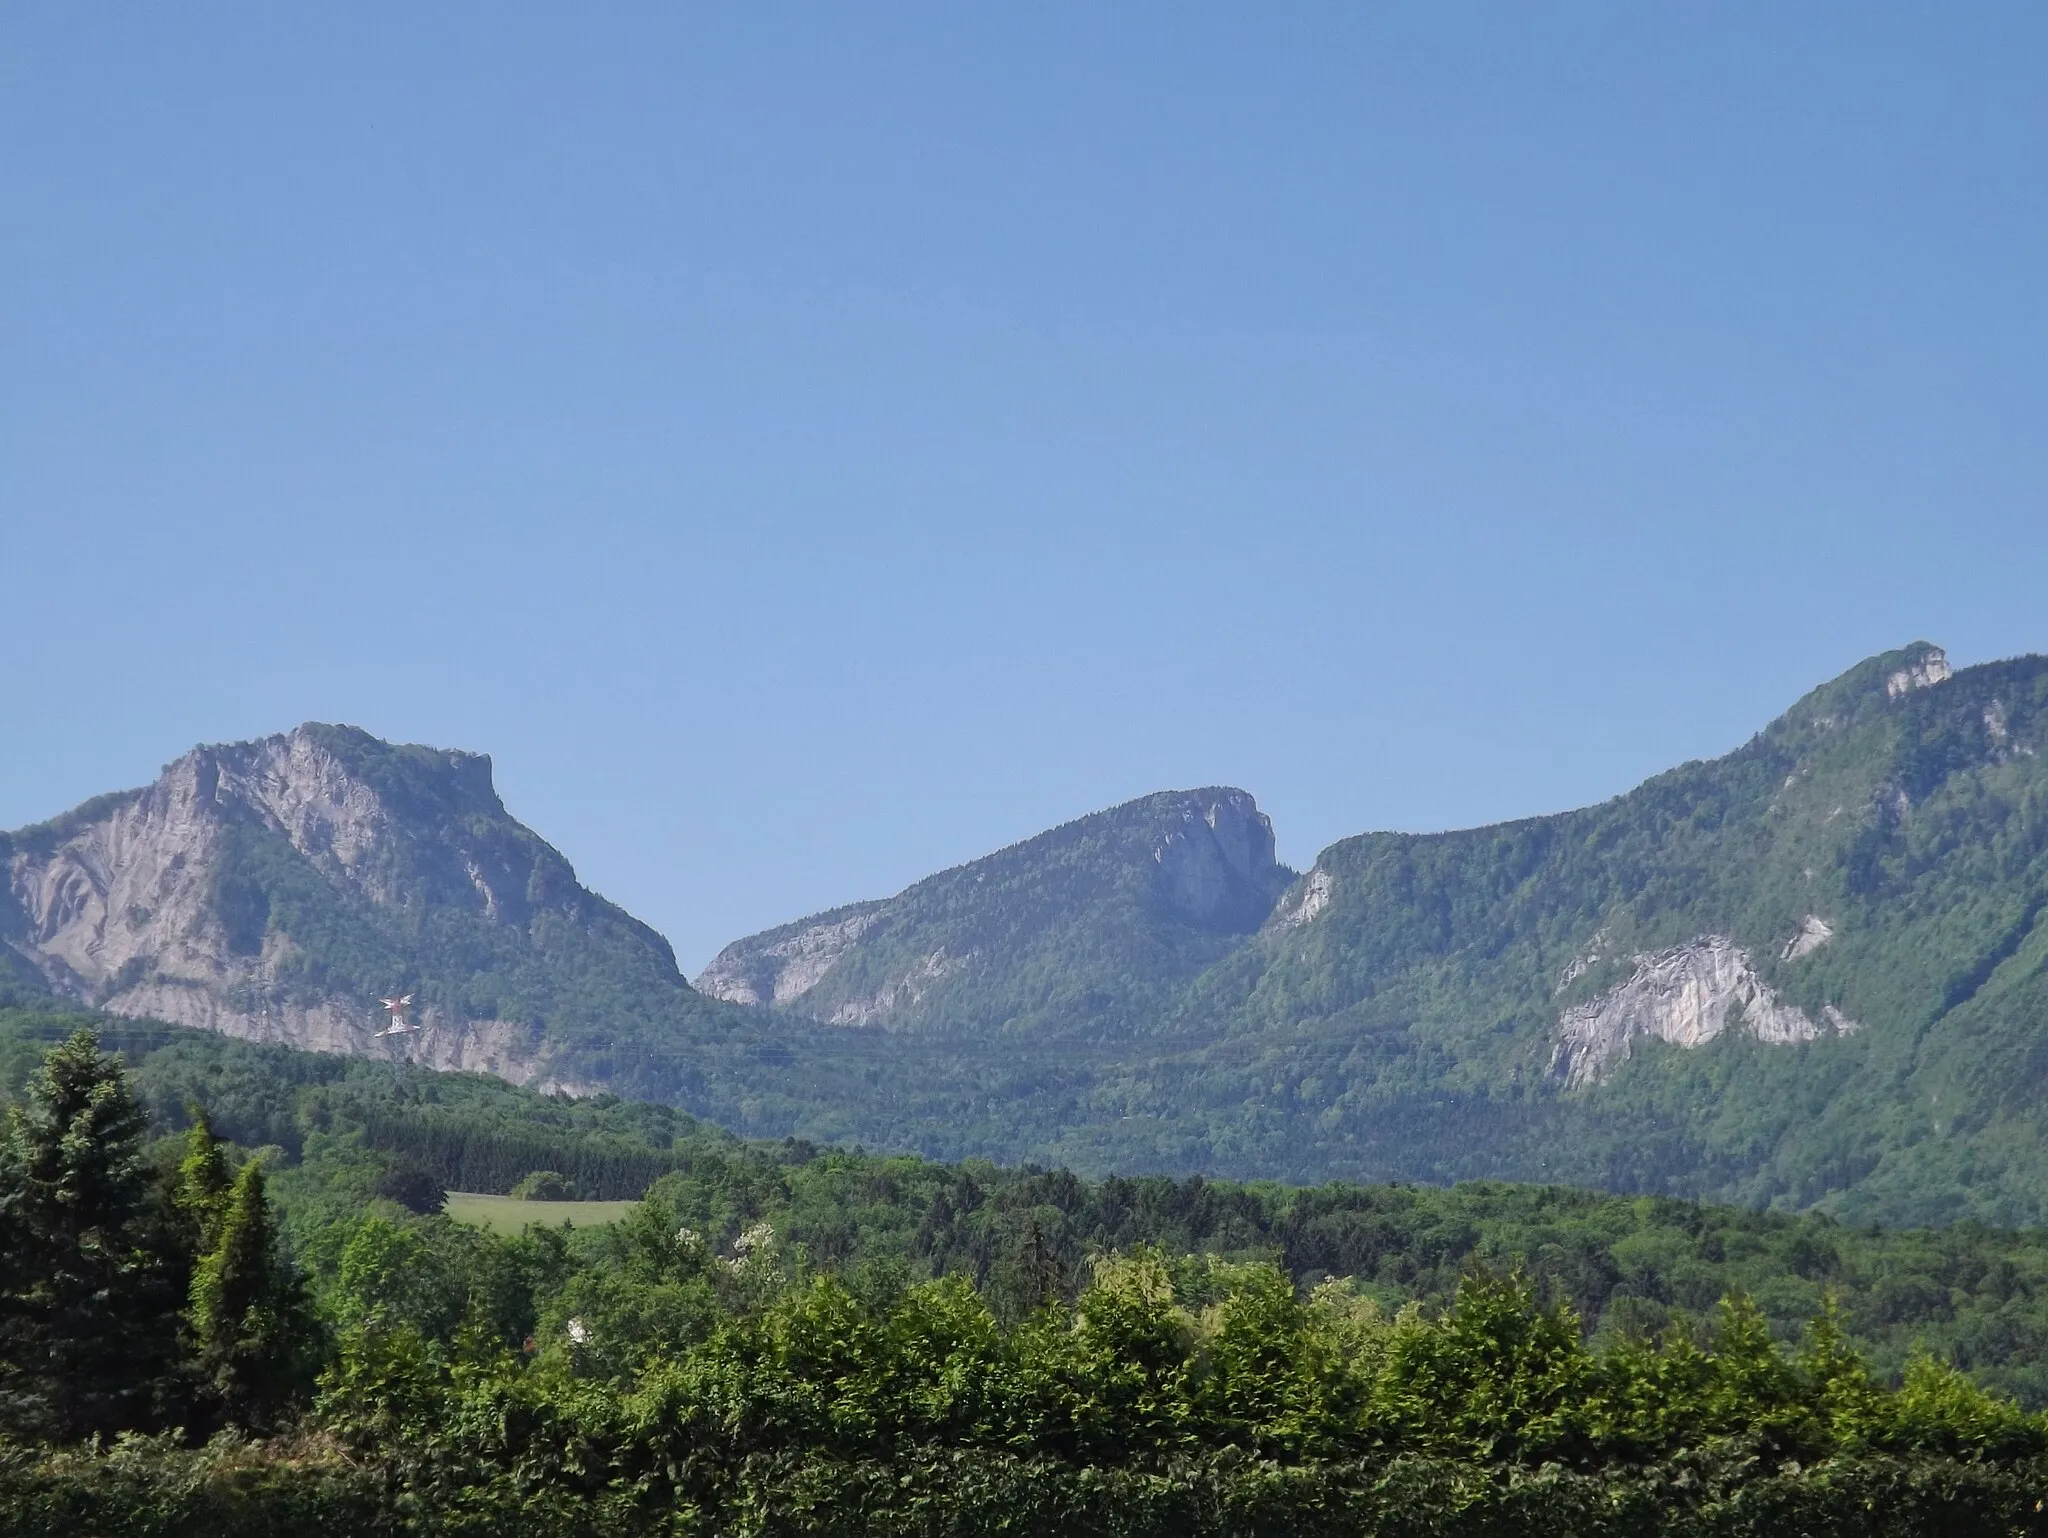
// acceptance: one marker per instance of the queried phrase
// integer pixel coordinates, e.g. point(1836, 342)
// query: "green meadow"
point(511, 1214)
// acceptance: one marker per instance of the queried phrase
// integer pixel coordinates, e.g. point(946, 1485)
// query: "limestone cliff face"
point(1304, 904)
point(900, 993)
point(784, 965)
point(1216, 868)
point(156, 902)
point(1686, 996)
point(1926, 667)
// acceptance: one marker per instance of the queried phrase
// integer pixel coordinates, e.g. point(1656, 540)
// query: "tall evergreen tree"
point(89, 1328)
point(249, 1317)
point(204, 1183)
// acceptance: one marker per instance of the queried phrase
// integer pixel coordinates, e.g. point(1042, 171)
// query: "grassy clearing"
point(507, 1215)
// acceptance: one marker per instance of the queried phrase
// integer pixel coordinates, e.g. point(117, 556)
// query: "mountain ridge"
point(1813, 971)
point(1174, 874)
point(1734, 979)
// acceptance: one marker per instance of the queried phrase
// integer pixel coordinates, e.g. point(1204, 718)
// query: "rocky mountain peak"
point(1216, 870)
point(274, 888)
point(1876, 684)
point(1924, 667)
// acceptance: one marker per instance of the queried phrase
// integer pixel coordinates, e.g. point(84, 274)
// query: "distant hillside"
point(1810, 973)
point(1087, 930)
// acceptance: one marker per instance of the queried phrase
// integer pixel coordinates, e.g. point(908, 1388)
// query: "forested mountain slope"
point(203, 1338)
point(1088, 930)
point(350, 1140)
point(1810, 970)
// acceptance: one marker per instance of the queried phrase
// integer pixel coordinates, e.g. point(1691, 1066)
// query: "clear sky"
point(811, 447)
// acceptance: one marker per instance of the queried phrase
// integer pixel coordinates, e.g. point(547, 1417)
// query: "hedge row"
point(162, 1493)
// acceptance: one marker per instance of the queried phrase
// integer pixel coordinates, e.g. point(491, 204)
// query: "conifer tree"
point(89, 1331)
point(204, 1182)
point(248, 1313)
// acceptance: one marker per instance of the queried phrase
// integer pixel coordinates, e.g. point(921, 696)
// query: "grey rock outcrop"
point(1304, 904)
point(1684, 996)
point(1814, 932)
point(1217, 866)
point(903, 992)
point(1928, 668)
point(132, 904)
point(785, 964)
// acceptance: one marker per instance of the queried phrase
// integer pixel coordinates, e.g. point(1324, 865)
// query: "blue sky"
point(810, 447)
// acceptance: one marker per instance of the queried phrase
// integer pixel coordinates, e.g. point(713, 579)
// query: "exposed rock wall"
point(1685, 996)
point(1215, 870)
point(899, 994)
point(1929, 668)
point(1304, 904)
point(122, 904)
point(129, 894)
point(783, 966)
point(1814, 932)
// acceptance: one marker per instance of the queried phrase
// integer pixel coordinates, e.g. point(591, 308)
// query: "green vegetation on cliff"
point(1910, 817)
point(1082, 935)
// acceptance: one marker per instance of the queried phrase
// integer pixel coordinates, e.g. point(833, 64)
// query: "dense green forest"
point(227, 1262)
point(343, 1131)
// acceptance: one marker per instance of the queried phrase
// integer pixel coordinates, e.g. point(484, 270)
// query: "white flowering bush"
point(753, 1271)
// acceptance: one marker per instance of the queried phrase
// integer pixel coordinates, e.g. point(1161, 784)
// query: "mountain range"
point(1810, 973)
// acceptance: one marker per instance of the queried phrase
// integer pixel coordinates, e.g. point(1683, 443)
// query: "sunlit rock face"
point(141, 904)
point(1686, 996)
point(1814, 932)
point(1927, 669)
point(782, 970)
point(1304, 905)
